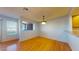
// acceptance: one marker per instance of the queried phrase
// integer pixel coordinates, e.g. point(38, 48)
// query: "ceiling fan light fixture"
point(43, 22)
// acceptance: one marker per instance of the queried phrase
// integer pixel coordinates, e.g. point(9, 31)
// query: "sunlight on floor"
point(11, 47)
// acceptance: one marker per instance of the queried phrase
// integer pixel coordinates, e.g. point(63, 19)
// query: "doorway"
point(75, 25)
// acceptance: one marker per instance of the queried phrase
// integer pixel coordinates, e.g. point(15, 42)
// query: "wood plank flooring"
point(44, 44)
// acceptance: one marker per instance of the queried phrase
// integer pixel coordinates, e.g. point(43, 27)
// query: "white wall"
point(74, 42)
point(55, 28)
point(25, 35)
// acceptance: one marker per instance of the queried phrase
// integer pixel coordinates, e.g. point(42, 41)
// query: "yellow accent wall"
point(75, 21)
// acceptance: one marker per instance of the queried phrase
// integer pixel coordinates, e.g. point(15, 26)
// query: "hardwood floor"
point(36, 44)
point(43, 44)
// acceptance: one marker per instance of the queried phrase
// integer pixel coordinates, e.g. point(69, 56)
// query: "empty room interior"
point(39, 29)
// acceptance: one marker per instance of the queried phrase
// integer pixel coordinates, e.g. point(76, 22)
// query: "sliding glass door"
point(12, 30)
point(9, 29)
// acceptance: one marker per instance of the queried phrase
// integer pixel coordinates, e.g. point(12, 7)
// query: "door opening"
point(75, 25)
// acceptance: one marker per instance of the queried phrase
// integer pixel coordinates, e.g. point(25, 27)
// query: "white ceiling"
point(36, 13)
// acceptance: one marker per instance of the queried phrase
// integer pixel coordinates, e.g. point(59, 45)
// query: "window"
point(27, 26)
point(24, 27)
point(11, 28)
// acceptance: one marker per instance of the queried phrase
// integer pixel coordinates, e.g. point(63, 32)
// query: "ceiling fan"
point(43, 21)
